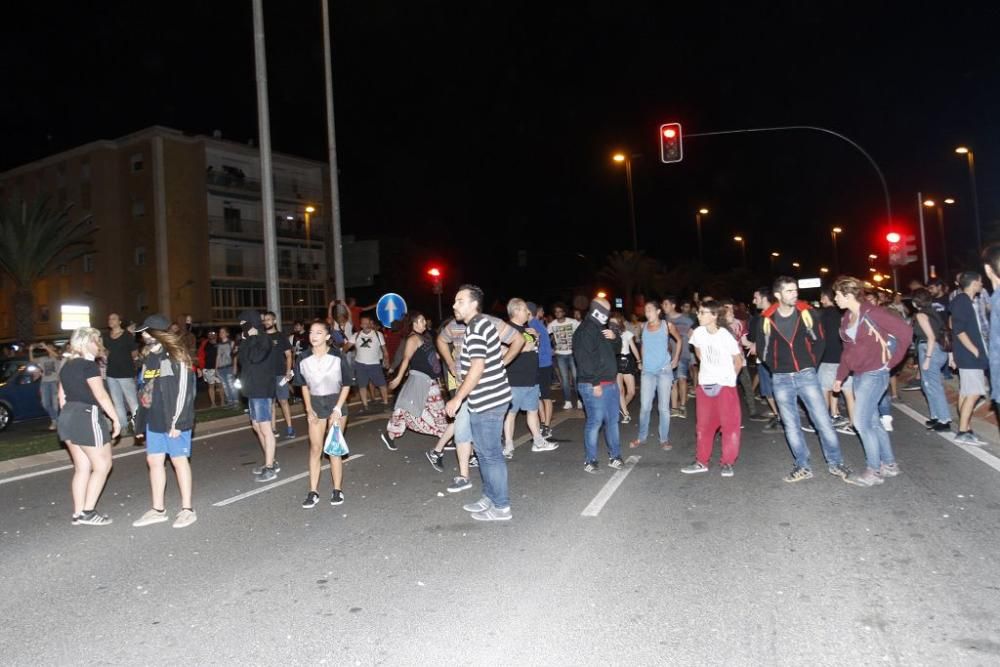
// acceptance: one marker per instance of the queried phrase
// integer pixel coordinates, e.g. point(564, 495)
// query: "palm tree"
point(34, 239)
point(629, 272)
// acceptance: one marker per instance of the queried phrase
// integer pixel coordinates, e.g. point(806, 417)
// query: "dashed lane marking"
point(287, 480)
point(604, 495)
point(977, 452)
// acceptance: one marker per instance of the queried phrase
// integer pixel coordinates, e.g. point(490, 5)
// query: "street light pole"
point(923, 237)
point(697, 222)
point(743, 249)
point(338, 244)
point(962, 150)
point(836, 260)
point(627, 159)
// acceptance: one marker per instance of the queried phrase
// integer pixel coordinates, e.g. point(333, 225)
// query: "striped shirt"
point(483, 342)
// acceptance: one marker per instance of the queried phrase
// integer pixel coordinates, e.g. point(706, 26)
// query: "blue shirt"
point(544, 343)
point(994, 344)
point(655, 353)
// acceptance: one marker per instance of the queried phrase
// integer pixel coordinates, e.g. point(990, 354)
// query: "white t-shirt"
point(716, 352)
point(323, 375)
point(627, 336)
point(368, 347)
point(562, 335)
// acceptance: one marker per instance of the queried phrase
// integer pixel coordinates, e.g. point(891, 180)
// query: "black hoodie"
point(256, 362)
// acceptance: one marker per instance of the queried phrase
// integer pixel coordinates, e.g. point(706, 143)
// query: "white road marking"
point(978, 452)
point(268, 487)
point(527, 437)
point(604, 495)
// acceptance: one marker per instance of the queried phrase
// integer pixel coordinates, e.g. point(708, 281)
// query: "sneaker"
point(436, 459)
point(912, 385)
point(773, 426)
point(839, 421)
point(942, 427)
point(889, 470)
point(185, 518)
point(508, 451)
point(846, 429)
point(694, 468)
point(259, 469)
point(684, 412)
point(798, 475)
point(480, 505)
point(275, 432)
point(150, 517)
point(868, 478)
point(473, 461)
point(627, 419)
point(337, 497)
point(931, 423)
point(494, 514)
point(675, 412)
point(839, 470)
point(727, 471)
point(544, 446)
point(92, 518)
point(290, 432)
point(75, 519)
point(387, 441)
point(568, 405)
point(807, 427)
point(968, 438)
point(759, 417)
point(579, 405)
point(266, 475)
point(616, 463)
point(459, 484)
point(546, 431)
point(590, 466)
point(312, 499)
point(886, 422)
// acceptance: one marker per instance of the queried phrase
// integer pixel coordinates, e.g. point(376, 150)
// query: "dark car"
point(20, 398)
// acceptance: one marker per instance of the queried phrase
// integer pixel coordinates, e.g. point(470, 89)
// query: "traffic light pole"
point(923, 238)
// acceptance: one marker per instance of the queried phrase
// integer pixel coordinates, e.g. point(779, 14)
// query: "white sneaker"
point(579, 405)
point(150, 517)
point(887, 422)
point(544, 445)
point(508, 451)
point(568, 405)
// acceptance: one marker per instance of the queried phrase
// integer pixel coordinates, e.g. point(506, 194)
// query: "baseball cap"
point(156, 321)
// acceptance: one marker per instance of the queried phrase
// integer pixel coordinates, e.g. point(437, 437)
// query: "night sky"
point(482, 128)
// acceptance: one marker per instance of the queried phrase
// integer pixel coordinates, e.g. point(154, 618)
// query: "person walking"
point(167, 398)
point(326, 378)
point(628, 365)
point(122, 353)
point(874, 341)
point(224, 358)
point(522, 375)
point(256, 364)
point(485, 387)
point(48, 361)
point(81, 426)
point(657, 379)
point(562, 329)
point(969, 354)
point(595, 348)
point(717, 402)
point(932, 355)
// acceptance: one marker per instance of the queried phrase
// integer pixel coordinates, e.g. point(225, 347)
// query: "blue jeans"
point(601, 411)
point(764, 374)
point(868, 390)
point(124, 395)
point(804, 385)
point(930, 380)
point(228, 390)
point(487, 437)
point(567, 374)
point(658, 383)
point(49, 392)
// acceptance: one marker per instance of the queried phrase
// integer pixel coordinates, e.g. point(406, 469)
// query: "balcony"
point(246, 228)
point(230, 179)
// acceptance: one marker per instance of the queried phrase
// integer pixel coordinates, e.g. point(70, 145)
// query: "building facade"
point(179, 230)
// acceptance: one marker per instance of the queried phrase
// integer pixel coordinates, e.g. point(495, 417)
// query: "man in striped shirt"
point(484, 385)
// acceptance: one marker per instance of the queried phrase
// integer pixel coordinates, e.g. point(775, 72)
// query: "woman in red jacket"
point(874, 340)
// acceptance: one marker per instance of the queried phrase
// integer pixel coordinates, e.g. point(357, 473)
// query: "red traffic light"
point(671, 143)
point(670, 133)
point(434, 271)
point(893, 237)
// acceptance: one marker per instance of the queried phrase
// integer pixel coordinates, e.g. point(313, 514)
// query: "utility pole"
point(338, 245)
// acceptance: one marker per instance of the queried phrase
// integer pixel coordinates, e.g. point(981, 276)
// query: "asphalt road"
point(671, 569)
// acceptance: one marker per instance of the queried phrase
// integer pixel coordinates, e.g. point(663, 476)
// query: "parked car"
point(20, 398)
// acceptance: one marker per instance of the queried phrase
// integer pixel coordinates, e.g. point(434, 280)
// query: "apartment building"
point(179, 230)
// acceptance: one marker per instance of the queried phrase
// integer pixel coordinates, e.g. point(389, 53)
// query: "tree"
point(34, 239)
point(629, 272)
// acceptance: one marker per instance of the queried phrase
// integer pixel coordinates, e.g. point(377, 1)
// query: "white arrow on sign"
point(390, 308)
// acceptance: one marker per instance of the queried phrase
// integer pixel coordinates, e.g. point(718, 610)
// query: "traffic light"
point(902, 249)
point(435, 275)
point(671, 143)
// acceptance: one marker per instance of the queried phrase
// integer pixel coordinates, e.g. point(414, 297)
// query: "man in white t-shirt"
point(562, 329)
point(369, 361)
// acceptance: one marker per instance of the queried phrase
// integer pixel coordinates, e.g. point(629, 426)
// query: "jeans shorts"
point(682, 372)
point(281, 391)
point(524, 398)
point(463, 427)
point(260, 409)
point(211, 376)
point(828, 375)
point(323, 405)
point(161, 443)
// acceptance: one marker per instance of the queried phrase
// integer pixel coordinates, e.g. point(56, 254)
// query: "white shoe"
point(544, 445)
point(579, 405)
point(568, 405)
point(887, 422)
point(508, 451)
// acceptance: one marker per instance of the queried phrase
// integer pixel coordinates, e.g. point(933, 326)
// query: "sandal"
point(635, 443)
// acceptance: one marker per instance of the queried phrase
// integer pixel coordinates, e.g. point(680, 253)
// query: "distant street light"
point(773, 256)
point(823, 269)
point(833, 235)
point(971, 160)
point(743, 249)
point(619, 158)
point(697, 222)
point(796, 265)
point(939, 210)
point(309, 211)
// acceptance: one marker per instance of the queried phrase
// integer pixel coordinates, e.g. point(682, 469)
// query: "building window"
point(234, 261)
point(285, 264)
point(138, 208)
point(140, 256)
point(136, 162)
point(231, 219)
point(88, 262)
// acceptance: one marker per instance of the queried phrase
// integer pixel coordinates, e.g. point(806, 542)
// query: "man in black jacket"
point(595, 349)
point(258, 385)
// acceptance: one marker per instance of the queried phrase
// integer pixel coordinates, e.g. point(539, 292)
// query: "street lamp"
point(774, 255)
point(939, 210)
point(796, 265)
point(620, 158)
point(823, 269)
point(309, 211)
point(971, 160)
point(833, 235)
point(743, 249)
point(697, 222)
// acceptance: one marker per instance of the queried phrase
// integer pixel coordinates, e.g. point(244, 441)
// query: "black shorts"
point(545, 376)
point(627, 365)
point(323, 405)
point(83, 424)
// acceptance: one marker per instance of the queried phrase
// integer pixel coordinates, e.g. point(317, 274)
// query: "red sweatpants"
point(713, 413)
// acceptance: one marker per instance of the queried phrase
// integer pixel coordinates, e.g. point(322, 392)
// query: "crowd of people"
point(827, 368)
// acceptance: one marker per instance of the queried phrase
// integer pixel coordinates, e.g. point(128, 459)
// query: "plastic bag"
point(335, 444)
